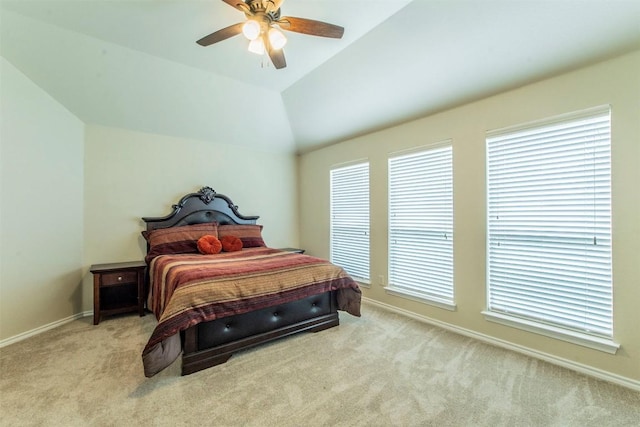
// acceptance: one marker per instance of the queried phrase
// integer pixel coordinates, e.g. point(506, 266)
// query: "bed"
point(210, 306)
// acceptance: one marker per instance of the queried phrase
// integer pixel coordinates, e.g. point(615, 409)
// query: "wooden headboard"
point(204, 206)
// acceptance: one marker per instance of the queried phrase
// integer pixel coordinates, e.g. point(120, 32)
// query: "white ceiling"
point(135, 64)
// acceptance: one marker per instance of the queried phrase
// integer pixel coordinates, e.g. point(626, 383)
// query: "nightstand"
point(296, 250)
point(118, 288)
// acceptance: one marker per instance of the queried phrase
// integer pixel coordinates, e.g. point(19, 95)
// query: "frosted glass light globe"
point(277, 39)
point(256, 46)
point(251, 29)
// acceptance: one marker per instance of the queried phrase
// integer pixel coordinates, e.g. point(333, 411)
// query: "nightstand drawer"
point(120, 278)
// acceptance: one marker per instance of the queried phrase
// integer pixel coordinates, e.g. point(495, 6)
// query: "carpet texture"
point(379, 370)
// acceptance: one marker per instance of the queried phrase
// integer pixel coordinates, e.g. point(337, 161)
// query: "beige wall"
point(129, 175)
point(93, 184)
point(41, 208)
point(615, 82)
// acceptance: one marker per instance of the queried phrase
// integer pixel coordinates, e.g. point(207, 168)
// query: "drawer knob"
point(119, 278)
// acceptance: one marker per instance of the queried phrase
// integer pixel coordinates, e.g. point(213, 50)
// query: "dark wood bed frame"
point(212, 343)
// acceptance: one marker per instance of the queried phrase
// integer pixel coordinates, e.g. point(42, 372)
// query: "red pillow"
point(231, 243)
point(209, 245)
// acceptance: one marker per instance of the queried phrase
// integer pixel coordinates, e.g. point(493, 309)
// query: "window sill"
point(574, 337)
point(414, 296)
point(363, 283)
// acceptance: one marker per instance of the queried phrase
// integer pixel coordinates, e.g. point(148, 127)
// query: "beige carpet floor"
point(379, 370)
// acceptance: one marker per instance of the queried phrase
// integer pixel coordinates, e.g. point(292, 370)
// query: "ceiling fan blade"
point(276, 55)
point(223, 34)
point(311, 27)
point(237, 4)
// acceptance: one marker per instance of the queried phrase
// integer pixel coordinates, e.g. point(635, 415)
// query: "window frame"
point(365, 265)
point(428, 295)
point(598, 341)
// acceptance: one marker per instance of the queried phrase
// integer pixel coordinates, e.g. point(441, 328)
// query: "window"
point(549, 228)
point(421, 225)
point(350, 219)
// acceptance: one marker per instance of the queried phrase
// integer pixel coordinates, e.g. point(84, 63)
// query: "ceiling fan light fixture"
point(251, 29)
point(256, 46)
point(277, 39)
point(263, 26)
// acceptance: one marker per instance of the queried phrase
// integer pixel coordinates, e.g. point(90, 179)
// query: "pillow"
point(231, 243)
point(251, 234)
point(209, 244)
point(177, 240)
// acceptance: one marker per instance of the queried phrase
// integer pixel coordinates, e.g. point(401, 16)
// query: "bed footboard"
point(212, 343)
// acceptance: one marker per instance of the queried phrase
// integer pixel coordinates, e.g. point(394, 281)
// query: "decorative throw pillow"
point(177, 240)
point(251, 234)
point(209, 245)
point(231, 243)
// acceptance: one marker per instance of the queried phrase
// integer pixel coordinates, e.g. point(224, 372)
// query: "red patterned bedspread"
point(188, 289)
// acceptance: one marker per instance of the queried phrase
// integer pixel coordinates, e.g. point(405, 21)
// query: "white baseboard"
point(41, 329)
point(565, 363)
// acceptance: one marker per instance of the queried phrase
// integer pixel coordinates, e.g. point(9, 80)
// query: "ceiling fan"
point(263, 26)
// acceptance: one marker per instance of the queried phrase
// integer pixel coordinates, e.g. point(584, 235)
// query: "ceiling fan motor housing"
point(263, 7)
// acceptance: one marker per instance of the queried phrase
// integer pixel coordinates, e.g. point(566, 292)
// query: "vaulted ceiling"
point(134, 64)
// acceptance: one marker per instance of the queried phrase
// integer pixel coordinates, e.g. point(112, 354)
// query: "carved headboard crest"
point(208, 194)
point(204, 206)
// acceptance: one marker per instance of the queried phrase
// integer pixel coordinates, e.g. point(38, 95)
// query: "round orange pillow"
point(209, 245)
point(231, 243)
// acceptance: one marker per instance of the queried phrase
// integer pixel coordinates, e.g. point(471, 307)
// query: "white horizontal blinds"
point(549, 220)
point(421, 223)
point(350, 219)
